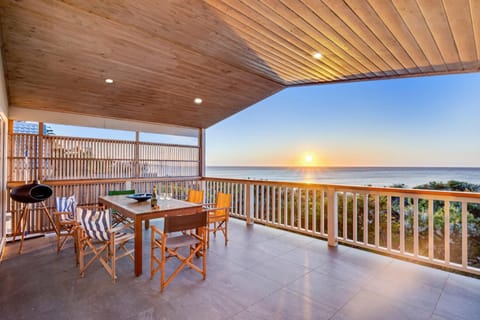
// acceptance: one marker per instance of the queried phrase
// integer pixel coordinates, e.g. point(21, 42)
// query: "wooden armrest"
point(208, 204)
point(58, 213)
point(92, 206)
point(217, 209)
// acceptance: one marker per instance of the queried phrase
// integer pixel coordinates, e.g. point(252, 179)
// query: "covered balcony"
point(263, 273)
point(296, 250)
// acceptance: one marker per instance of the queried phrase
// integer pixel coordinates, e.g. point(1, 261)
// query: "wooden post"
point(201, 152)
point(3, 182)
point(10, 147)
point(446, 232)
point(332, 218)
point(249, 208)
point(39, 154)
point(136, 160)
point(203, 186)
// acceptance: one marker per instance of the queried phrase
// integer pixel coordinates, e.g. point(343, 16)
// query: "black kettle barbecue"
point(31, 193)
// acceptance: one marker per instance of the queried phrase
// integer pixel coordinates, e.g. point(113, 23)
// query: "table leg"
point(138, 246)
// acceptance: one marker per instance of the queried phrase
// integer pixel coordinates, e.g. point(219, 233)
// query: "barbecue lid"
point(31, 193)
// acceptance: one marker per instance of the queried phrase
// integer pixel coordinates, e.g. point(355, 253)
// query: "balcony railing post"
point(332, 217)
point(203, 186)
point(249, 208)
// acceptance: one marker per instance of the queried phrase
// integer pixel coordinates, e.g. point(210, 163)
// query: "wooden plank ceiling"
point(230, 53)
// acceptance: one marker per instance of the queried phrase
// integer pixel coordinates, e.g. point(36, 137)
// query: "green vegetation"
point(451, 185)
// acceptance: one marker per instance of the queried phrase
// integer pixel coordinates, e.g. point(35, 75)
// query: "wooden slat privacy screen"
point(67, 158)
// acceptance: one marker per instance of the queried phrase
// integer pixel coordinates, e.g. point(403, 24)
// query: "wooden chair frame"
point(103, 251)
point(218, 217)
point(220, 223)
point(67, 225)
point(195, 240)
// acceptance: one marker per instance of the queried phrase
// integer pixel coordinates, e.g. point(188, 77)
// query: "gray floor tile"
point(438, 317)
point(286, 304)
point(398, 269)
point(309, 258)
point(207, 304)
point(459, 284)
point(363, 258)
point(280, 270)
point(219, 268)
point(245, 288)
point(349, 271)
point(247, 257)
point(370, 306)
point(276, 246)
point(406, 290)
point(250, 315)
point(460, 299)
point(324, 289)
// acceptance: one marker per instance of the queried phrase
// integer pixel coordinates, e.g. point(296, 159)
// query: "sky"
point(422, 121)
point(88, 132)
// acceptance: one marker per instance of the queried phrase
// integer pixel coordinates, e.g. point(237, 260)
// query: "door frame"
point(3, 180)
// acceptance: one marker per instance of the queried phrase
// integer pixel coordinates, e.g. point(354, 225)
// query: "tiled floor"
point(264, 273)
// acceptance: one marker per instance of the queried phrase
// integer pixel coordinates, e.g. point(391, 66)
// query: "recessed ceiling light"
point(198, 100)
point(317, 55)
point(109, 80)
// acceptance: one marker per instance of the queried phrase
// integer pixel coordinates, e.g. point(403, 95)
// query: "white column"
point(202, 143)
point(249, 201)
point(332, 217)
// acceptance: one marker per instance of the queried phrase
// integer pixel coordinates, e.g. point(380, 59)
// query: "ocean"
point(361, 176)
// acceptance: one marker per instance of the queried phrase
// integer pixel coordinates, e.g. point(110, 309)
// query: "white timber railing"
point(435, 227)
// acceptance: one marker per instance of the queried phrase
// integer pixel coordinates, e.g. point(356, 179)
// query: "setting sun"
point(308, 159)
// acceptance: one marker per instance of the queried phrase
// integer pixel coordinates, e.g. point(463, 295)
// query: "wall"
point(3, 154)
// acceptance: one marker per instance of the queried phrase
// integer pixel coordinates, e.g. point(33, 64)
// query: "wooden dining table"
point(140, 211)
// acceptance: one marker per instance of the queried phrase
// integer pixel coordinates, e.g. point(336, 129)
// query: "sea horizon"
point(380, 176)
point(306, 167)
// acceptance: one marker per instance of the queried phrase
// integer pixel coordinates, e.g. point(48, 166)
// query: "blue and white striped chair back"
point(67, 207)
point(95, 222)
